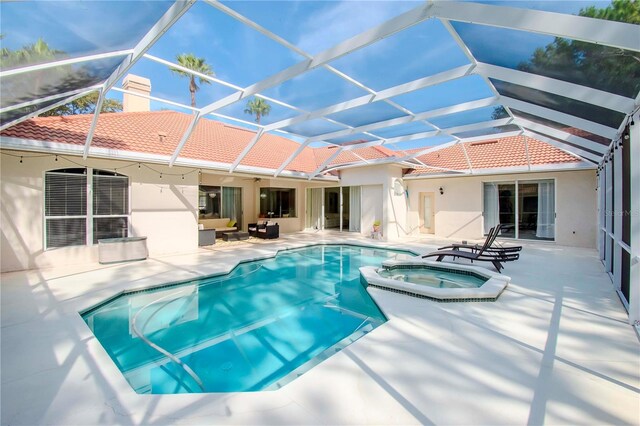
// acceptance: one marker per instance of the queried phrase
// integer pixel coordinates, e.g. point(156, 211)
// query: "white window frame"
point(89, 208)
point(517, 206)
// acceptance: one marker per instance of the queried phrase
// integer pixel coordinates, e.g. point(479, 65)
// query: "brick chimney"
point(136, 84)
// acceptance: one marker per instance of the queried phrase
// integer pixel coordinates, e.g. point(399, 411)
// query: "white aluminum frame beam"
point(63, 62)
point(408, 119)
point(297, 152)
point(557, 87)
point(63, 101)
point(591, 30)
point(401, 89)
point(154, 98)
point(570, 149)
point(559, 134)
point(49, 98)
point(325, 162)
point(560, 117)
point(386, 29)
point(246, 150)
point(94, 124)
point(169, 18)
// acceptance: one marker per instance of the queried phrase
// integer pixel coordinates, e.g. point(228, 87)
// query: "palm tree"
point(190, 61)
point(258, 107)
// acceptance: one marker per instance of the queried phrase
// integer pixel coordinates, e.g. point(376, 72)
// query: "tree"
point(28, 55)
point(258, 107)
point(606, 68)
point(190, 61)
point(84, 105)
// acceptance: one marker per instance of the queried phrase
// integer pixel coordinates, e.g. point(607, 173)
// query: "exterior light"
point(263, 195)
point(441, 191)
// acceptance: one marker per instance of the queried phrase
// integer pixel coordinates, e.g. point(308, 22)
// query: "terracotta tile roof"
point(493, 153)
point(159, 132)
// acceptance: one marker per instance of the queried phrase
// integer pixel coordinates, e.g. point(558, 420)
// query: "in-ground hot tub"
point(436, 281)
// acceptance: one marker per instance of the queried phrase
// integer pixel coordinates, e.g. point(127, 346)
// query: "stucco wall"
point(378, 198)
point(162, 209)
point(458, 212)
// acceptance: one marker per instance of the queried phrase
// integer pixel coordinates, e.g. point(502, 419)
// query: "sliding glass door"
point(524, 209)
point(335, 208)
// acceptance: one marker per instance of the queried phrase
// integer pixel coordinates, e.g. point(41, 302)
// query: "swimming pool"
point(256, 328)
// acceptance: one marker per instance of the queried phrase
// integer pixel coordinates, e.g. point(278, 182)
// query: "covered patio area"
point(556, 348)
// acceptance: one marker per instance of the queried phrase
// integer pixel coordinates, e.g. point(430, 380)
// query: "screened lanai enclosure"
point(414, 77)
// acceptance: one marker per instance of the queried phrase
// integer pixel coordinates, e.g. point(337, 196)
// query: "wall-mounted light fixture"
point(441, 191)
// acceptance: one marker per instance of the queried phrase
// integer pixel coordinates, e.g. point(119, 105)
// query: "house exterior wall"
point(458, 212)
point(162, 209)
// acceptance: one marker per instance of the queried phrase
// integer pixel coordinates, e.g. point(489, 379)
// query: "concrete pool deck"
point(555, 348)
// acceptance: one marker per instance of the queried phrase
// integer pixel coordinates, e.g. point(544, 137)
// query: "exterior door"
point(427, 213)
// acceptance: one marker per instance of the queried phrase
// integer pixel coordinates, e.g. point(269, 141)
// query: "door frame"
point(432, 229)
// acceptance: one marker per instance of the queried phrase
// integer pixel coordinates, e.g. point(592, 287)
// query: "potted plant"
point(376, 226)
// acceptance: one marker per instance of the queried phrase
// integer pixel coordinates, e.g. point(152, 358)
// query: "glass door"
point(507, 209)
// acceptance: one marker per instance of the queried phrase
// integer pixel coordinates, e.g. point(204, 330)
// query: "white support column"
point(608, 215)
point(601, 211)
point(94, 124)
point(617, 216)
point(634, 273)
point(246, 150)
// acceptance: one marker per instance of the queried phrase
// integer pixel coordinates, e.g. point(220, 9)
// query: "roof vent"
point(162, 136)
point(483, 143)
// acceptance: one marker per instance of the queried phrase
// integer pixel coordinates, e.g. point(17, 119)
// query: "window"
point(209, 202)
point(73, 217)
point(277, 202)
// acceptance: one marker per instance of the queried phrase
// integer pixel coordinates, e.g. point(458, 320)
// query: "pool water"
point(256, 328)
point(432, 277)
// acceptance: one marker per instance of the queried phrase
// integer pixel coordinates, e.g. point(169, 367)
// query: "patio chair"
point(268, 231)
point(254, 227)
point(480, 255)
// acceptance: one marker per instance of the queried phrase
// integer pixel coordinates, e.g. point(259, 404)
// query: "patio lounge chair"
point(480, 255)
point(492, 247)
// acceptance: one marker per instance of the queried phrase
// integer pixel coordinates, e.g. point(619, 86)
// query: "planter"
point(112, 250)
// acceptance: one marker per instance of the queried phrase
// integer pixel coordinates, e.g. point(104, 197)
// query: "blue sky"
point(243, 56)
